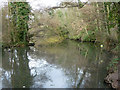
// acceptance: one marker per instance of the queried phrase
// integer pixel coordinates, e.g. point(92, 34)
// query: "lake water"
point(67, 65)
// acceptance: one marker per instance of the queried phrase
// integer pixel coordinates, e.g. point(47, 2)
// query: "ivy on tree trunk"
point(19, 16)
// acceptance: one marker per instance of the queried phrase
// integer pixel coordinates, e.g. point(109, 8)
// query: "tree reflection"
point(94, 72)
point(16, 62)
point(75, 65)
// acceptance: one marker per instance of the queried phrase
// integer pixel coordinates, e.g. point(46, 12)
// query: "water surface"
point(67, 65)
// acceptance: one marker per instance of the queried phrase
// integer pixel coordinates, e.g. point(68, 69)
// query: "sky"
point(1, 3)
point(38, 4)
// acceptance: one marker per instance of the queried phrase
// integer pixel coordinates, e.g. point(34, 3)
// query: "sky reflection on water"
point(69, 65)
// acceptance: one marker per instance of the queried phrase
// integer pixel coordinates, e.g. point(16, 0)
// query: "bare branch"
point(68, 5)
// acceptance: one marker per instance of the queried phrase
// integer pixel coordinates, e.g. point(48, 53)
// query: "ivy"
point(19, 17)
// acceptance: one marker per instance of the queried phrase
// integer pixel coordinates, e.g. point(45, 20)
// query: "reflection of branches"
point(41, 79)
point(35, 73)
point(19, 68)
point(82, 77)
point(6, 79)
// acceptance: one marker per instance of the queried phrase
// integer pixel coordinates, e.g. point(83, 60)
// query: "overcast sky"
point(36, 4)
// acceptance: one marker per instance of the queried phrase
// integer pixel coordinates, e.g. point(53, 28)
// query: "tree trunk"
point(118, 45)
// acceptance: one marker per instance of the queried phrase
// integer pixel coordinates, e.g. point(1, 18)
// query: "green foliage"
point(63, 32)
point(80, 4)
point(19, 17)
point(89, 37)
point(60, 14)
point(112, 13)
point(51, 13)
point(77, 37)
point(113, 63)
point(86, 24)
point(83, 36)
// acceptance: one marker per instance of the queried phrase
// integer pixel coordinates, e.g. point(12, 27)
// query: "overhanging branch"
point(67, 6)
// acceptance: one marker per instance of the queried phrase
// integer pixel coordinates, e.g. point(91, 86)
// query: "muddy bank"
point(112, 70)
point(112, 79)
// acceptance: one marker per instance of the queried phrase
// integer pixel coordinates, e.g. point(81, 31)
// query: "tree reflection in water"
point(16, 72)
point(69, 65)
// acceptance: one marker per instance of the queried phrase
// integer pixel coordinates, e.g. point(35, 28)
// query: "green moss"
point(49, 41)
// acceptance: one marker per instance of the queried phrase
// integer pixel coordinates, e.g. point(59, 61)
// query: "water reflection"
point(68, 65)
point(16, 72)
point(0, 67)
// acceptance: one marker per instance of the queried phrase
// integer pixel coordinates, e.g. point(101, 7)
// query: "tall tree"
point(19, 16)
point(119, 44)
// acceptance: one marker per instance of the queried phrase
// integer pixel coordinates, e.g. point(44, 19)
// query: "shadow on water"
point(0, 67)
point(67, 65)
point(16, 72)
